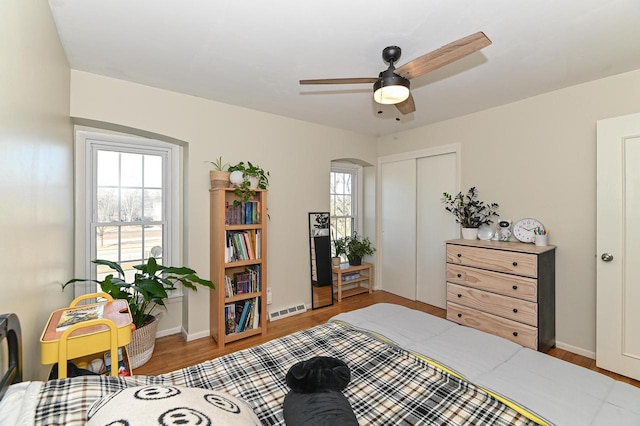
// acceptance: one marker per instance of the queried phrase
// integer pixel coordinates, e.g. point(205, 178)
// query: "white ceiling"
point(252, 53)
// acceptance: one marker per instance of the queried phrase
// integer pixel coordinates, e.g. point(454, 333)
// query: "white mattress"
point(557, 391)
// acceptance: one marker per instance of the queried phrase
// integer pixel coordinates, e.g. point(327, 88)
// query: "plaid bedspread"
point(388, 385)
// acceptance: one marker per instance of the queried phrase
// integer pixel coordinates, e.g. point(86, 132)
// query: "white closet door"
point(435, 175)
point(397, 271)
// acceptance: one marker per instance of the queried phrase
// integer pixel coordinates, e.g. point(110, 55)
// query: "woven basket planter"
point(143, 341)
point(219, 179)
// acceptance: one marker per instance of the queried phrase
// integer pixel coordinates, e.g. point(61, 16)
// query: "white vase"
point(236, 178)
point(470, 233)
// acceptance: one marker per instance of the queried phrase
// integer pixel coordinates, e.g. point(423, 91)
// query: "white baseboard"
point(576, 350)
point(168, 332)
point(194, 336)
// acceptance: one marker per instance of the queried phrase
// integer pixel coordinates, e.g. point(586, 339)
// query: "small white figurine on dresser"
point(504, 230)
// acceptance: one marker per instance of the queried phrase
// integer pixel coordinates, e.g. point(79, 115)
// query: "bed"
point(407, 367)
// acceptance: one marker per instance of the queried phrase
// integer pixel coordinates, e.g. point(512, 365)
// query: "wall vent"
point(287, 312)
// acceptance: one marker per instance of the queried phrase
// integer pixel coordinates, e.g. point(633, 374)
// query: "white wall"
point(537, 158)
point(36, 172)
point(297, 154)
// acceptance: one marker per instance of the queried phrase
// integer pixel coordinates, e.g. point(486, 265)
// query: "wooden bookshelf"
point(249, 242)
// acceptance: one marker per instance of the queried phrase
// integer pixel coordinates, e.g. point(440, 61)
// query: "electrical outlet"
point(269, 297)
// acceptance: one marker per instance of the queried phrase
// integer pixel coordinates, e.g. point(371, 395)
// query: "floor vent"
point(287, 312)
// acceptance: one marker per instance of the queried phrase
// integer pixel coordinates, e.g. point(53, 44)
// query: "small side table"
point(363, 282)
point(109, 333)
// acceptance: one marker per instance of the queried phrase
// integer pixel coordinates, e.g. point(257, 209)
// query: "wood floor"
point(172, 352)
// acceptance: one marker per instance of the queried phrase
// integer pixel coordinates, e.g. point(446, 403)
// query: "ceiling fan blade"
point(407, 106)
point(443, 56)
point(341, 80)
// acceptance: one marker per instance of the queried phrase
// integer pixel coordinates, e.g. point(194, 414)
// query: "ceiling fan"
point(392, 85)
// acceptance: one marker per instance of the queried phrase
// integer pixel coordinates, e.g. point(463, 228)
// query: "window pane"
point(108, 205)
point(131, 243)
point(131, 170)
point(152, 205)
point(108, 168)
point(131, 205)
point(107, 240)
point(152, 171)
point(153, 242)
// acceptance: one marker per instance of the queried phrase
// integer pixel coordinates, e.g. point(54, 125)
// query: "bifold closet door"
point(398, 227)
point(434, 175)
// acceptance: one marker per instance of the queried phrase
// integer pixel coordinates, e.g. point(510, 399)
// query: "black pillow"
point(318, 374)
point(315, 397)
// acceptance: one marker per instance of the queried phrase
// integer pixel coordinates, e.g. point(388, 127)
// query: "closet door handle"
point(459, 255)
point(515, 264)
point(515, 310)
point(459, 295)
point(459, 275)
point(515, 334)
point(515, 287)
point(459, 315)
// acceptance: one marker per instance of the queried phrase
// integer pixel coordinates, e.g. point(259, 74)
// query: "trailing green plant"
point(354, 246)
point(149, 288)
point(218, 165)
point(468, 210)
point(250, 170)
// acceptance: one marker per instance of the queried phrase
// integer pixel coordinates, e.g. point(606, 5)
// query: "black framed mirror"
point(320, 260)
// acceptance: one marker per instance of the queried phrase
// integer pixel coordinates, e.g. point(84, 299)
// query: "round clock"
point(523, 229)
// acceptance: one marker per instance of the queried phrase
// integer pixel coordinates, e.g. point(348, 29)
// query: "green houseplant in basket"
point(147, 291)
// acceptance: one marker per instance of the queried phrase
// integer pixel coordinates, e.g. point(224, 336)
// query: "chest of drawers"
point(503, 288)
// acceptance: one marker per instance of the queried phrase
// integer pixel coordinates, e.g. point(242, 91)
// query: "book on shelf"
point(229, 318)
point(246, 315)
point(247, 281)
point(76, 315)
point(243, 213)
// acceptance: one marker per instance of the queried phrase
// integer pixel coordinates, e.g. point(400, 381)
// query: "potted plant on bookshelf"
point(355, 248)
point(469, 212)
point(148, 290)
point(219, 176)
point(247, 178)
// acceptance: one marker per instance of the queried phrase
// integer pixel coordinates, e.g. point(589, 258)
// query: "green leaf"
point(113, 265)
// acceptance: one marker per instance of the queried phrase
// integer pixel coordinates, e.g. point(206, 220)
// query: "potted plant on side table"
point(147, 291)
point(355, 248)
point(469, 212)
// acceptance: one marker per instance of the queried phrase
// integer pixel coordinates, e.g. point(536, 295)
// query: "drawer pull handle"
point(459, 275)
point(515, 263)
point(515, 310)
point(459, 255)
point(459, 295)
point(515, 334)
point(459, 315)
point(515, 287)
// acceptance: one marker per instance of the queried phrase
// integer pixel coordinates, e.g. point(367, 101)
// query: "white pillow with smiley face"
point(170, 405)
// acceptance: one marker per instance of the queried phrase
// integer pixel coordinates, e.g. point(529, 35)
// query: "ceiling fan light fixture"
point(390, 89)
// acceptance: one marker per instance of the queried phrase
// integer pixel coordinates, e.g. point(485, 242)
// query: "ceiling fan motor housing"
point(393, 81)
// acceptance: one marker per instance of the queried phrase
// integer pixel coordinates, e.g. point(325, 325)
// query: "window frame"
point(87, 143)
point(357, 190)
